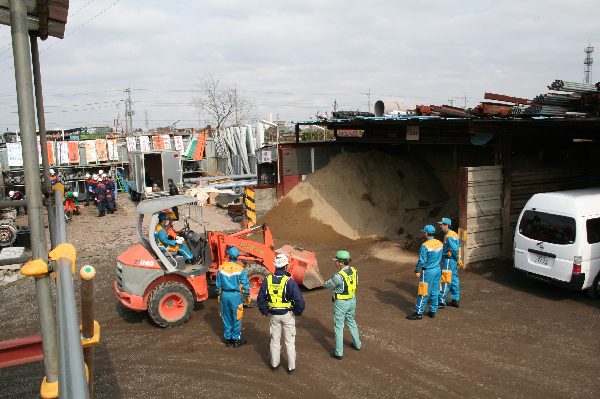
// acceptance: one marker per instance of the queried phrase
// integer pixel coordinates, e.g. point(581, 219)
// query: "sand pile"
point(360, 195)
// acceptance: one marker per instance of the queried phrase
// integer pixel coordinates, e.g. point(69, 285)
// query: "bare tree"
point(223, 104)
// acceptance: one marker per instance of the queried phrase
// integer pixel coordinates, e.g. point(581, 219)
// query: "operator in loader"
point(165, 243)
point(343, 285)
point(429, 273)
point(280, 298)
point(231, 279)
point(450, 263)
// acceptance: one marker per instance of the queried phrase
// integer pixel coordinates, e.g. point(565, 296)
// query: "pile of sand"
point(360, 195)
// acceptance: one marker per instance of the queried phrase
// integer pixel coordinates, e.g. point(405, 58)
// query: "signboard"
point(265, 157)
point(73, 148)
point(130, 143)
point(15, 154)
point(50, 149)
point(144, 143)
point(64, 152)
point(112, 149)
point(101, 149)
point(159, 143)
point(178, 144)
point(167, 140)
point(90, 151)
point(412, 133)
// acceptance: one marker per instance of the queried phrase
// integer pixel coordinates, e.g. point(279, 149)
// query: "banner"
point(159, 143)
point(73, 148)
point(15, 154)
point(50, 149)
point(131, 144)
point(144, 143)
point(167, 140)
point(112, 149)
point(101, 150)
point(64, 152)
point(189, 151)
point(90, 151)
point(39, 146)
point(199, 151)
point(178, 140)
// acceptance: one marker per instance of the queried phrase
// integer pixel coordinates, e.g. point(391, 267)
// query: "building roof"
point(49, 17)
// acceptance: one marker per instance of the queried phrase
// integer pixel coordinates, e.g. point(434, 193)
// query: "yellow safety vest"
point(350, 287)
point(276, 293)
point(172, 248)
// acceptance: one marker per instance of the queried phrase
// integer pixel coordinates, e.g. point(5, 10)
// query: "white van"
point(557, 239)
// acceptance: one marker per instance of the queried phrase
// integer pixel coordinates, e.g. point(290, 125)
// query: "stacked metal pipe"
point(574, 87)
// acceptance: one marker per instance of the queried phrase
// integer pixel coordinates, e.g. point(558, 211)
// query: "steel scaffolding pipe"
point(72, 380)
point(39, 103)
point(25, 104)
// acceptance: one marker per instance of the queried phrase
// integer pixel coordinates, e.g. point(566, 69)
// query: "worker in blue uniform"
point(89, 189)
point(101, 197)
point(231, 279)
point(429, 273)
point(53, 178)
point(110, 194)
point(451, 260)
point(343, 284)
point(280, 298)
point(166, 243)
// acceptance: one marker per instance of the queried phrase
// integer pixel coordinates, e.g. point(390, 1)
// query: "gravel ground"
point(511, 338)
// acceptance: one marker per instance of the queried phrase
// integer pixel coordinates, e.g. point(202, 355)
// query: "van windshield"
point(546, 227)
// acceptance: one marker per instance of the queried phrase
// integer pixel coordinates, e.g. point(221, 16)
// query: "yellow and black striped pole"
point(250, 206)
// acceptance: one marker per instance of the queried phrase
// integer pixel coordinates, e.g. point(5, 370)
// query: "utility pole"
point(335, 105)
point(129, 112)
point(465, 100)
point(146, 115)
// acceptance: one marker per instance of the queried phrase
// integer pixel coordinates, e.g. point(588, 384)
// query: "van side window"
point(546, 227)
point(593, 230)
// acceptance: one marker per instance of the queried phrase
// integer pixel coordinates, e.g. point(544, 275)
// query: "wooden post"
point(505, 159)
point(462, 212)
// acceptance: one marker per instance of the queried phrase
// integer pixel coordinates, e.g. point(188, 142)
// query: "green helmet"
point(342, 256)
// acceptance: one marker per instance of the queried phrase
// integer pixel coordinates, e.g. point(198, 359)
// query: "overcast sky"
point(295, 58)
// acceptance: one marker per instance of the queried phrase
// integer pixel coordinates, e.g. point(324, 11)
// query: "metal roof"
point(48, 17)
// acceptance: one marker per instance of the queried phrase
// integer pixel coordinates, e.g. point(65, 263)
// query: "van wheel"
point(594, 290)
point(170, 304)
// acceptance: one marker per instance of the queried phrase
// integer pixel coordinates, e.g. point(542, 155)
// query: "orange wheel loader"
point(161, 282)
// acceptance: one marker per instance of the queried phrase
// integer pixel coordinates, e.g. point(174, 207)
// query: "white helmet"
point(95, 177)
point(51, 172)
point(75, 194)
point(101, 171)
point(281, 261)
point(11, 193)
point(87, 175)
point(104, 175)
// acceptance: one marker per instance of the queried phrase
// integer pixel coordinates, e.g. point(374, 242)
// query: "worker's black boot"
point(229, 342)
point(414, 316)
point(239, 343)
point(431, 314)
point(441, 305)
point(454, 304)
point(87, 203)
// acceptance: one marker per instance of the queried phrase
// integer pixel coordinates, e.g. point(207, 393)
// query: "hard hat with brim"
point(429, 229)
point(281, 261)
point(342, 256)
point(446, 221)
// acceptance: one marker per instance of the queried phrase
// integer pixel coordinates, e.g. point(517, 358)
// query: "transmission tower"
point(129, 112)
point(587, 65)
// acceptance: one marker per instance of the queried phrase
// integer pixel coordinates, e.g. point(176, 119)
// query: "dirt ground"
point(511, 338)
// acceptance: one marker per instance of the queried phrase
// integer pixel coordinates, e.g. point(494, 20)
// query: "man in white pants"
point(280, 298)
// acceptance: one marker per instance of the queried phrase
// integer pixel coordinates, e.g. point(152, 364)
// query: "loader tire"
point(170, 304)
point(256, 274)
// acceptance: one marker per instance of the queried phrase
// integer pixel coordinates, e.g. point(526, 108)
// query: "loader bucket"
point(303, 266)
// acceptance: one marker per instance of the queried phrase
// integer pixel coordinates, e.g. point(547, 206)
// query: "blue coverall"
point(343, 310)
point(101, 196)
point(430, 256)
point(230, 277)
point(89, 190)
point(110, 194)
point(162, 240)
point(451, 245)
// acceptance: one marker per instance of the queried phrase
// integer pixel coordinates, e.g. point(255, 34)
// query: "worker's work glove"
point(219, 298)
point(179, 241)
point(248, 301)
point(449, 254)
point(418, 274)
point(460, 263)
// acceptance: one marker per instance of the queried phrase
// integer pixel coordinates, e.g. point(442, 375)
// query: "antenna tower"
point(587, 65)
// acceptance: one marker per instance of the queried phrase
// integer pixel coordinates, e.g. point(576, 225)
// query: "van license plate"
point(542, 260)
